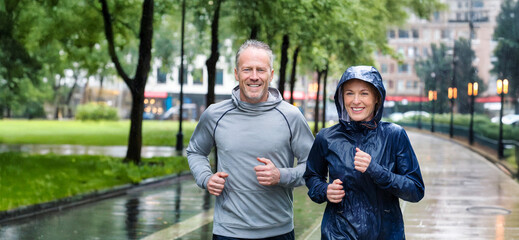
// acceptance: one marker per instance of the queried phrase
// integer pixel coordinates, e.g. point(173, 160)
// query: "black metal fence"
point(460, 131)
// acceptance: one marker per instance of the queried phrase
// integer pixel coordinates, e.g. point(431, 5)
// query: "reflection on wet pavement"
point(115, 151)
point(466, 197)
point(133, 216)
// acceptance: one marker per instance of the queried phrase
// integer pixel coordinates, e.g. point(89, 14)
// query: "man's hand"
point(216, 183)
point(267, 174)
point(335, 191)
point(362, 160)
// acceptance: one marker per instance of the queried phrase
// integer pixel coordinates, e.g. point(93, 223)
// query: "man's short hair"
point(255, 44)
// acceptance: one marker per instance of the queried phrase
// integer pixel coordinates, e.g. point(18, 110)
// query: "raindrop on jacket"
point(370, 208)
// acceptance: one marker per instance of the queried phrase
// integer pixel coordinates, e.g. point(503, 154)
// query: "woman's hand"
point(335, 191)
point(361, 160)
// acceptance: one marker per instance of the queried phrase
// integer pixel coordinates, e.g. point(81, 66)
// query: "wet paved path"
point(466, 198)
point(115, 151)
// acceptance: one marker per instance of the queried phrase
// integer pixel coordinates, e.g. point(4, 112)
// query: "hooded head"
point(367, 74)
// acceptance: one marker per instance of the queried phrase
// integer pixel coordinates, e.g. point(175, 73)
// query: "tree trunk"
point(69, 96)
point(293, 75)
point(100, 92)
point(325, 98)
point(316, 109)
point(283, 65)
point(133, 153)
point(213, 59)
point(86, 95)
point(138, 83)
point(254, 31)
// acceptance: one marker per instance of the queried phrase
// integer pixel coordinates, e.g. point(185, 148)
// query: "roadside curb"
point(490, 157)
point(81, 199)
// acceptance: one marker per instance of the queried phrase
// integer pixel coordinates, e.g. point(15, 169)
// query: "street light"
point(180, 135)
point(453, 94)
point(432, 98)
point(472, 90)
point(420, 106)
point(433, 95)
point(502, 89)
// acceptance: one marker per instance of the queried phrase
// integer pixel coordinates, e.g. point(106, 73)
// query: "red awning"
point(408, 98)
point(155, 94)
point(300, 95)
point(488, 99)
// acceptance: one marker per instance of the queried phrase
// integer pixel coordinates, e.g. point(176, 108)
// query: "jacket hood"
point(368, 74)
point(273, 100)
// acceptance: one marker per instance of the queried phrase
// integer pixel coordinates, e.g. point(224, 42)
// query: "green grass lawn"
point(101, 133)
point(30, 179)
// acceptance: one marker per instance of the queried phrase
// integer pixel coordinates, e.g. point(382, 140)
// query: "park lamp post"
point(502, 89)
point(472, 91)
point(180, 135)
point(433, 95)
point(420, 106)
point(453, 94)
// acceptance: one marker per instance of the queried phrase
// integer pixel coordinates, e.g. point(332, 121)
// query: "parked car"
point(407, 115)
point(411, 114)
point(510, 119)
point(395, 117)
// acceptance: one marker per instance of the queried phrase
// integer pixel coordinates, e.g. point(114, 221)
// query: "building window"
point(391, 33)
point(410, 52)
point(425, 51)
point(436, 16)
point(403, 68)
point(408, 84)
point(478, 4)
point(403, 33)
point(446, 34)
point(400, 86)
point(198, 76)
point(416, 34)
point(383, 67)
point(219, 77)
point(391, 68)
point(390, 83)
point(161, 77)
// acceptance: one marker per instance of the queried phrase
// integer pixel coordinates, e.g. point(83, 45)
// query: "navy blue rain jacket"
point(370, 209)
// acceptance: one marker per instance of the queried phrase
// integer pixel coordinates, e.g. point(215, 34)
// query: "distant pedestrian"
point(257, 136)
point(369, 164)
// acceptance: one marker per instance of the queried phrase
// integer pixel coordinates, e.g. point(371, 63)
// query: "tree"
point(18, 68)
point(138, 82)
point(507, 50)
point(439, 63)
point(465, 72)
point(215, 55)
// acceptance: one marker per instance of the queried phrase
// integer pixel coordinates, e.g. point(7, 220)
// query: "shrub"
point(96, 112)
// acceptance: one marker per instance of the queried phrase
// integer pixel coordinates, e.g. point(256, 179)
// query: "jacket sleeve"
point(317, 171)
point(302, 139)
point(199, 148)
point(406, 182)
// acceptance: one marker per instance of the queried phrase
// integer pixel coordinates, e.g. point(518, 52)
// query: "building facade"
point(413, 42)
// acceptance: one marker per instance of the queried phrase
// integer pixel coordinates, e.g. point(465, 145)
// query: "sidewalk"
point(466, 197)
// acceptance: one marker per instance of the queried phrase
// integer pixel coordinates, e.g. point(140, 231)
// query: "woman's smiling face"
point(359, 99)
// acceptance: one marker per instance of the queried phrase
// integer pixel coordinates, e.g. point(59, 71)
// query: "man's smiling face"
point(254, 75)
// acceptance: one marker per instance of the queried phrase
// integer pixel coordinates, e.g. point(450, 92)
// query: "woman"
point(370, 164)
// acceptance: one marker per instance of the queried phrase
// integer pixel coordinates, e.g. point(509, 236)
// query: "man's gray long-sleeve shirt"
point(242, 132)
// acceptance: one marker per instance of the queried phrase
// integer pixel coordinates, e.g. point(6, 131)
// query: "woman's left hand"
point(361, 160)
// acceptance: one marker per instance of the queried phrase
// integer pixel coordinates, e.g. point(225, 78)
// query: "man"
point(257, 135)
